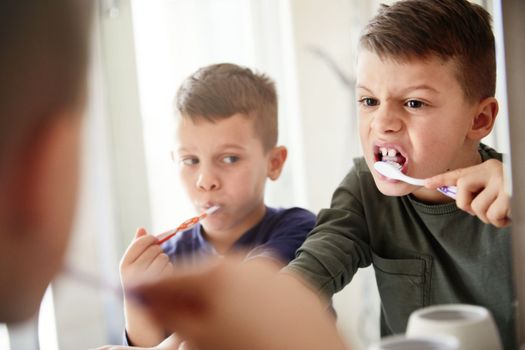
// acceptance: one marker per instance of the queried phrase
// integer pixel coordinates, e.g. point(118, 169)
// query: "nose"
point(207, 180)
point(387, 120)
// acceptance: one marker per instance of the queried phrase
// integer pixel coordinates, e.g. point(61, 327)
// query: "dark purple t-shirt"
point(278, 235)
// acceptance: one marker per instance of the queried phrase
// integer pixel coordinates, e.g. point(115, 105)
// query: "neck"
point(474, 158)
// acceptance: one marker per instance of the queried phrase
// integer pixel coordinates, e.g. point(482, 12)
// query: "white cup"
point(473, 326)
point(401, 342)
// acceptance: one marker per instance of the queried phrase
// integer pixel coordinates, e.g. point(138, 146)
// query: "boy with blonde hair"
point(227, 148)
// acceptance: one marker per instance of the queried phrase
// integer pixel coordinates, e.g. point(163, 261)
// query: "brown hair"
point(221, 90)
point(449, 29)
point(43, 59)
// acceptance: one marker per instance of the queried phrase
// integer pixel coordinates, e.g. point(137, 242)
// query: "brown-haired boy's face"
point(224, 163)
point(416, 114)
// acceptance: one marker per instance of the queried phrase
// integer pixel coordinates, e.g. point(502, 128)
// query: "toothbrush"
point(164, 236)
point(98, 283)
point(92, 280)
point(392, 172)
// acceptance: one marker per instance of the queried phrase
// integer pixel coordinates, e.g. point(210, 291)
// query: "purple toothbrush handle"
point(450, 191)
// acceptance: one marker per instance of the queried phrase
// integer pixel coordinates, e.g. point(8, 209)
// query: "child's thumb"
point(141, 231)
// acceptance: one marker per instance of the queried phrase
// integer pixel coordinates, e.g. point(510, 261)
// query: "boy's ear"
point(276, 161)
point(484, 119)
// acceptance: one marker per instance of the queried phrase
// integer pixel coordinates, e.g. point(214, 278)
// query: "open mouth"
point(390, 154)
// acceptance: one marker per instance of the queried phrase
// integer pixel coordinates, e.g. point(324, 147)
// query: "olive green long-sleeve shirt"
point(422, 254)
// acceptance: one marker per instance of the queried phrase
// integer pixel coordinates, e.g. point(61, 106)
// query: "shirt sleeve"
point(339, 244)
point(287, 235)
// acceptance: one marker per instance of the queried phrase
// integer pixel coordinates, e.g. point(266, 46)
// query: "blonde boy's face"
point(224, 164)
point(416, 114)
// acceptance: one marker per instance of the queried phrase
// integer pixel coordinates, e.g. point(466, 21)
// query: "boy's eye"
point(368, 101)
point(189, 161)
point(230, 159)
point(414, 104)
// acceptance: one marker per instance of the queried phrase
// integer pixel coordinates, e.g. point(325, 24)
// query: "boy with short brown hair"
point(425, 87)
point(227, 148)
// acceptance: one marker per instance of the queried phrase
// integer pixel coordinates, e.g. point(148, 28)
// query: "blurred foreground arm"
point(226, 305)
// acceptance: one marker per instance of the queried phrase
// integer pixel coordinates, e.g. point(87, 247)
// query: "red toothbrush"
point(164, 236)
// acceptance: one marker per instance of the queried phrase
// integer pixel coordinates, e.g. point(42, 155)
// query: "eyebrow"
point(408, 89)
point(359, 86)
point(226, 146)
point(420, 87)
point(232, 146)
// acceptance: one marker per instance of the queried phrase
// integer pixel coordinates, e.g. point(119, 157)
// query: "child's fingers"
point(137, 248)
point(464, 197)
point(141, 231)
point(482, 202)
point(447, 179)
point(486, 171)
point(168, 270)
point(468, 188)
point(158, 265)
point(148, 257)
point(146, 267)
point(499, 212)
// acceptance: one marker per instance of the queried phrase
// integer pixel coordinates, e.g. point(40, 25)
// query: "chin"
point(213, 226)
point(393, 189)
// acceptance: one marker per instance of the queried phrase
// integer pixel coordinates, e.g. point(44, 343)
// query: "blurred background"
point(142, 50)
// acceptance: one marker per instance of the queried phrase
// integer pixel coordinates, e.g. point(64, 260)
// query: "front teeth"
point(390, 152)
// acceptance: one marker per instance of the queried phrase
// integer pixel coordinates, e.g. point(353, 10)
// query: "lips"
point(204, 207)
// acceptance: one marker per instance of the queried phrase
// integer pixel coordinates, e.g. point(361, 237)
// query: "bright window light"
point(4, 337)
point(47, 332)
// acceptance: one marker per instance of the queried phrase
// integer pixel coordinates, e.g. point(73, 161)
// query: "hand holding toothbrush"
point(145, 260)
point(480, 191)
